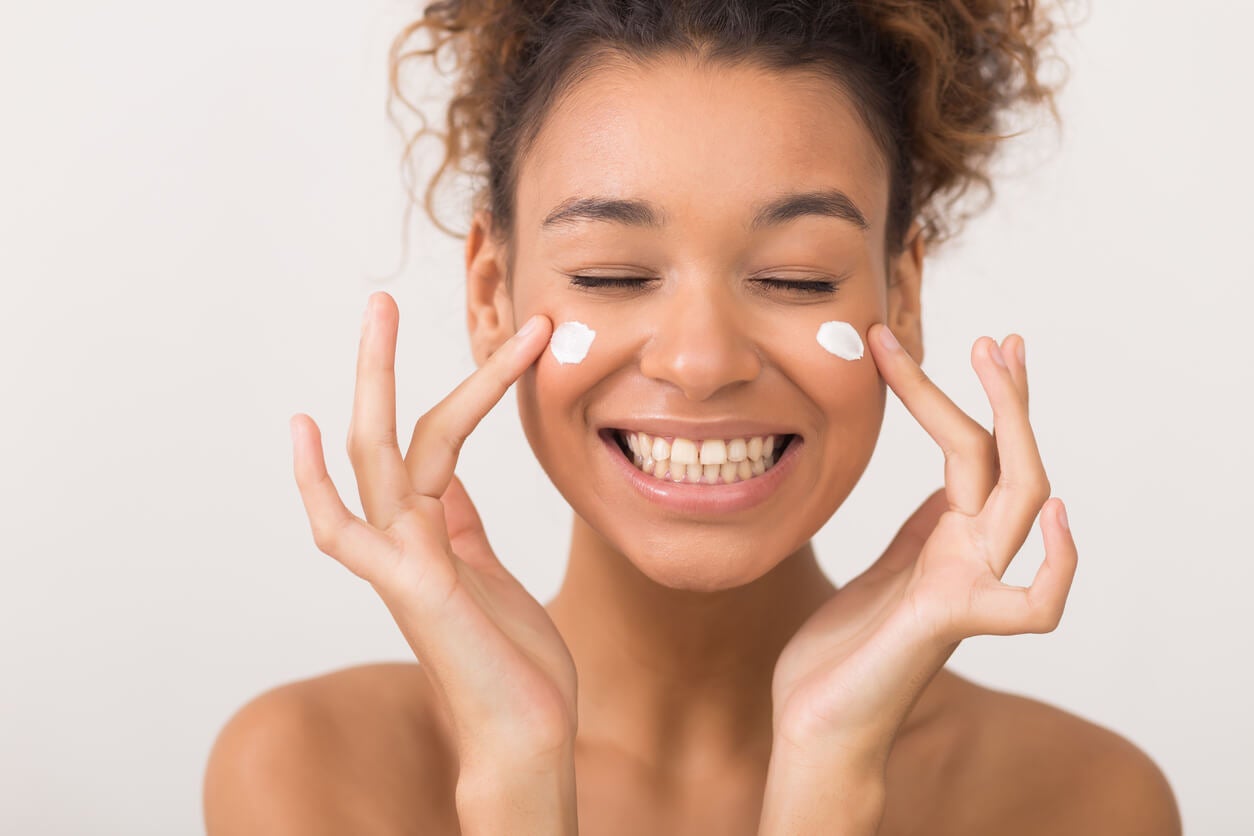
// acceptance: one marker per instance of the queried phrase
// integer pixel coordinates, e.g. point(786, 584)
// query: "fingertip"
point(1014, 340)
point(1049, 514)
point(294, 428)
point(1060, 548)
point(995, 353)
point(534, 323)
point(884, 336)
point(990, 349)
point(376, 297)
point(977, 348)
point(1060, 515)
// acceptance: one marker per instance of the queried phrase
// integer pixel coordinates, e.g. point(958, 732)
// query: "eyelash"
point(626, 282)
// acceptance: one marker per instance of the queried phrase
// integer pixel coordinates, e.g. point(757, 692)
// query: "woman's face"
point(700, 345)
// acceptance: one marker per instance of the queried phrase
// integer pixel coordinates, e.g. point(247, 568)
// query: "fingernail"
point(888, 340)
point(529, 326)
point(1019, 351)
point(996, 352)
point(1062, 516)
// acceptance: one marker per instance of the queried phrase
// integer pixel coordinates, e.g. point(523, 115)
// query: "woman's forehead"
point(691, 137)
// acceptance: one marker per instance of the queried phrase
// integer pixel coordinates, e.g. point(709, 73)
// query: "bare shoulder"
point(1044, 770)
point(359, 750)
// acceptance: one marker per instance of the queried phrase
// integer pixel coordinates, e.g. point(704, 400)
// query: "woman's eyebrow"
point(831, 203)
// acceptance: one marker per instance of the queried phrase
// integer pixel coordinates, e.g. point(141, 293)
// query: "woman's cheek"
point(586, 347)
point(833, 366)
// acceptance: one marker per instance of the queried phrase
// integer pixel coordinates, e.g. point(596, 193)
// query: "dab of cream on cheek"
point(570, 342)
point(841, 339)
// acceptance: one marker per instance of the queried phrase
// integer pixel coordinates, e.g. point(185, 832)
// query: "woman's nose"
point(699, 345)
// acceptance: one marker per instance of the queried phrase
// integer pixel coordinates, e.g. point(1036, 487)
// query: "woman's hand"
point(848, 679)
point(502, 673)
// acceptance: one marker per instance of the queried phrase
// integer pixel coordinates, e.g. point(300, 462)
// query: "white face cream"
point(570, 342)
point(841, 339)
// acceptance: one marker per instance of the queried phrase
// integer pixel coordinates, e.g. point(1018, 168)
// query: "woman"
point(698, 256)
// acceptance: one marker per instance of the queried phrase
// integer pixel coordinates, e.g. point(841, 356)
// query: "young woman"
point(697, 256)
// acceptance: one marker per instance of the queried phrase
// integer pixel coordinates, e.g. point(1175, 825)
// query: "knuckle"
point(500, 378)
point(353, 444)
point(387, 439)
point(1045, 619)
point(417, 523)
point(434, 429)
point(915, 376)
point(427, 423)
point(326, 536)
point(976, 445)
point(1038, 488)
point(452, 442)
point(394, 556)
point(359, 447)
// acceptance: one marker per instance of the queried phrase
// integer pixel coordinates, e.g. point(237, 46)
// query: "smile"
point(711, 461)
point(691, 481)
point(769, 468)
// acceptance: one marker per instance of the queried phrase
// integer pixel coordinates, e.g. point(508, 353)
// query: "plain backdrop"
point(195, 202)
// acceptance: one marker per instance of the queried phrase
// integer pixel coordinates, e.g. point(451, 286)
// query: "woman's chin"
point(702, 563)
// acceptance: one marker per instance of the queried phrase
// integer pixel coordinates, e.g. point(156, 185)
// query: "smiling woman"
point(735, 200)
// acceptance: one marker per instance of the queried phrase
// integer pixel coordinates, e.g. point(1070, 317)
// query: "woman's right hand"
point(504, 676)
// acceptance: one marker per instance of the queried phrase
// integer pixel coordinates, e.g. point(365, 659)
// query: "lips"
point(702, 499)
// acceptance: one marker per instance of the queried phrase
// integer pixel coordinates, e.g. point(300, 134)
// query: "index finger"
point(439, 434)
point(970, 452)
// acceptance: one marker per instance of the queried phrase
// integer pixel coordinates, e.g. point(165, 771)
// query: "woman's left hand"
point(848, 679)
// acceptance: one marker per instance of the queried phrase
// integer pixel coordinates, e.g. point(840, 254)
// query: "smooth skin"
point(746, 694)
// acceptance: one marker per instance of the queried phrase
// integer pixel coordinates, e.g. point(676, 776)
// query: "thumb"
point(905, 547)
point(465, 528)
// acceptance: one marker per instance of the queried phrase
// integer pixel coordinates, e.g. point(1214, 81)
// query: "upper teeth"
point(710, 460)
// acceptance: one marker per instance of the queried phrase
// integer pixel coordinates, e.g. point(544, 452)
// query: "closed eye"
point(817, 286)
point(610, 281)
point(801, 285)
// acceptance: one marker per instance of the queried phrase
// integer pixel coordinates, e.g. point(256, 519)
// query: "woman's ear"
point(904, 308)
point(489, 309)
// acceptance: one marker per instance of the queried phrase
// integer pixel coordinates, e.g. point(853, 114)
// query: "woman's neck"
point(670, 675)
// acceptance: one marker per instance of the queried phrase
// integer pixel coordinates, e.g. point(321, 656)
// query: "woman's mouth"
point(710, 461)
point(703, 477)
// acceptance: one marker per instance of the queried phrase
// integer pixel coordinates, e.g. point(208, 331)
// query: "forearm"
point(820, 796)
point(532, 797)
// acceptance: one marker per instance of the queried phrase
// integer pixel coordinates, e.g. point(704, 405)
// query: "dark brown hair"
point(933, 79)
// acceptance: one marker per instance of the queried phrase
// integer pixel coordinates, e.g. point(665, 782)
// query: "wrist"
point(810, 747)
point(532, 795)
point(834, 792)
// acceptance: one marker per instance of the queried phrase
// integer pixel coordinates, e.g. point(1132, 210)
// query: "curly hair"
point(933, 79)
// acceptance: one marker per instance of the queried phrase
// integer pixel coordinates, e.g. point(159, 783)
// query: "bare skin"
point(674, 625)
point(364, 751)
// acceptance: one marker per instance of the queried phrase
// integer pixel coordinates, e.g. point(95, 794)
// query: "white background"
point(194, 199)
